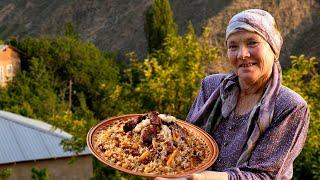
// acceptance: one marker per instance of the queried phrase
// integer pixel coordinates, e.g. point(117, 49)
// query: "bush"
point(168, 80)
point(305, 80)
point(5, 173)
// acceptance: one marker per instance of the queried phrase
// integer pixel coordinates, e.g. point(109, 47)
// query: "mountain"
point(117, 26)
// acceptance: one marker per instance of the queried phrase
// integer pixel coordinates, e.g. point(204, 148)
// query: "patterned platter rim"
point(198, 132)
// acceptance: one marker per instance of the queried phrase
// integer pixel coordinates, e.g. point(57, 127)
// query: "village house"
point(28, 143)
point(9, 63)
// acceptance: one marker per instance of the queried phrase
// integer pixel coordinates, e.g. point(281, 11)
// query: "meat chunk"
point(148, 133)
point(154, 119)
point(128, 126)
point(100, 146)
point(178, 130)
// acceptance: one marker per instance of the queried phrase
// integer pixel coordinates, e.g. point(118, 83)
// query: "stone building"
point(9, 63)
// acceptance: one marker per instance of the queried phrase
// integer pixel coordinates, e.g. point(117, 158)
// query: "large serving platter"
point(196, 131)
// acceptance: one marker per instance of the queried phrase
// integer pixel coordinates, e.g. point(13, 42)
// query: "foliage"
point(5, 173)
point(101, 171)
point(305, 80)
point(31, 93)
point(41, 174)
point(63, 84)
point(159, 24)
point(77, 67)
point(70, 31)
point(168, 80)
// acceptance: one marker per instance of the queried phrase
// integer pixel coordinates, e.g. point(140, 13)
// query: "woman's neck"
point(251, 88)
point(249, 95)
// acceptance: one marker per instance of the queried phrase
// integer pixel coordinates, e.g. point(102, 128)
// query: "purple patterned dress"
point(276, 148)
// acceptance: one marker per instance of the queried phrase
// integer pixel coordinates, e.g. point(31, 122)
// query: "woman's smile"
point(250, 56)
point(245, 65)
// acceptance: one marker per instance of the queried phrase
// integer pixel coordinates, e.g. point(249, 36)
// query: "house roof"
point(25, 139)
point(3, 46)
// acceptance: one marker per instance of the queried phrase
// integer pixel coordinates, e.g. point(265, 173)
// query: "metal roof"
point(25, 139)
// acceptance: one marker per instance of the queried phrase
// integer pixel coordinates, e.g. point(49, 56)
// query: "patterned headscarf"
point(259, 21)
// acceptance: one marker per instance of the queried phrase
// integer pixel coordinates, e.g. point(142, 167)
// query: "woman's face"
point(250, 55)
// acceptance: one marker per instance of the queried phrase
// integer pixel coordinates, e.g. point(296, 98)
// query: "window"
point(9, 70)
point(1, 73)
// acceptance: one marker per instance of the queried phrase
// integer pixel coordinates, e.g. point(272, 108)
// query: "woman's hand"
point(182, 178)
point(210, 175)
point(205, 175)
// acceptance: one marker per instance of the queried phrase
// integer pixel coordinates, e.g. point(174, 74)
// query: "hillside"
point(117, 26)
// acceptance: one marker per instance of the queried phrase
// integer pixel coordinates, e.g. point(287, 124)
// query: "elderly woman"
point(259, 124)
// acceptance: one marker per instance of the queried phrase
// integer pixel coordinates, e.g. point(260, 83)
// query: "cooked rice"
point(165, 156)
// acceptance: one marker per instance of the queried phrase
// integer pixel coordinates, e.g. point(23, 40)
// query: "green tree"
point(39, 174)
point(159, 24)
point(101, 171)
point(305, 80)
point(70, 31)
point(32, 93)
point(168, 80)
point(78, 67)
point(64, 83)
point(5, 173)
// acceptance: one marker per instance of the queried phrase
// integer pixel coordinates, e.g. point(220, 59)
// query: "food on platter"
point(151, 143)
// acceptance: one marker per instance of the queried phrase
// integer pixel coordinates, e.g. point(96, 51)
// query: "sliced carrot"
point(171, 157)
point(144, 155)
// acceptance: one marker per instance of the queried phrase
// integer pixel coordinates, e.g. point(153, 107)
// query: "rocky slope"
point(117, 26)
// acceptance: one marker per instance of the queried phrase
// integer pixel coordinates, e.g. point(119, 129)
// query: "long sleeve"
point(198, 102)
point(276, 150)
point(208, 85)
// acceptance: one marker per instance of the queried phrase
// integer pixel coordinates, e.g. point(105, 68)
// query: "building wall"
point(9, 65)
point(58, 169)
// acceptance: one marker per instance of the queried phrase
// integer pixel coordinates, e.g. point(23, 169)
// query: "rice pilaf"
point(152, 144)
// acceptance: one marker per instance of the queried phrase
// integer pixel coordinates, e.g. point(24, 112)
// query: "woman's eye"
point(252, 43)
point(232, 47)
